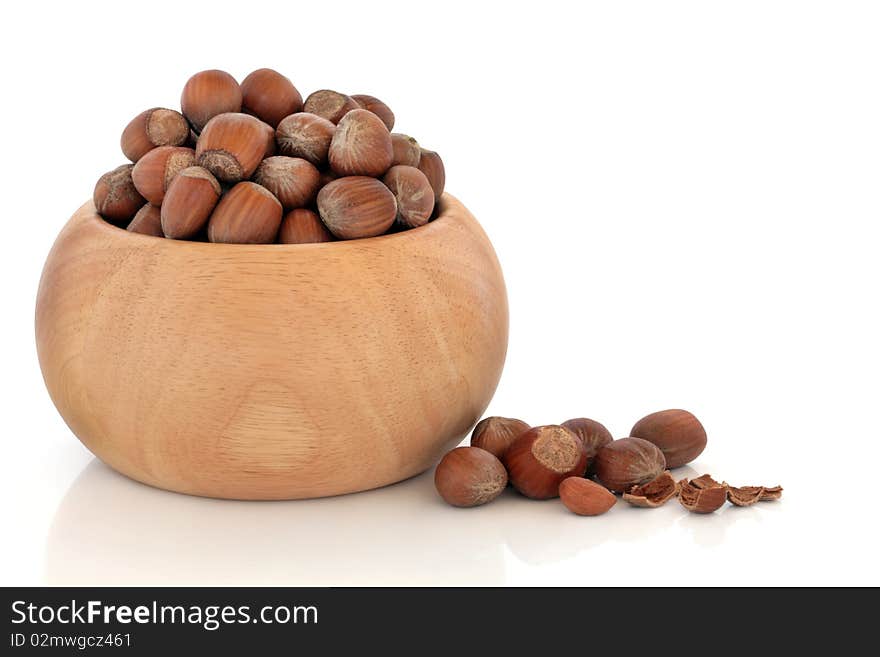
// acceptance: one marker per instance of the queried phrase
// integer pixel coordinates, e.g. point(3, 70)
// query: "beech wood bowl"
point(272, 371)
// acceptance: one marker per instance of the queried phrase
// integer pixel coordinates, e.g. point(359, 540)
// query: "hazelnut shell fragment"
point(702, 495)
point(748, 495)
point(653, 494)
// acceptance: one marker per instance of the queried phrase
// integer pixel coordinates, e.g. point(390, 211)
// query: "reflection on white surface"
point(109, 530)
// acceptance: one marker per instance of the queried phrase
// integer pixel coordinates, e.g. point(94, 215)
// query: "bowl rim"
point(448, 209)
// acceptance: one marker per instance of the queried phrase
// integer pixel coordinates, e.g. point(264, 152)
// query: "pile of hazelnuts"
point(580, 462)
point(252, 163)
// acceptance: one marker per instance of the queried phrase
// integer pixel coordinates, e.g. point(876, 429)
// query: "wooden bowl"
point(272, 371)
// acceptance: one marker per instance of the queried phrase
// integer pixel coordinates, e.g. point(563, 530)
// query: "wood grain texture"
point(272, 371)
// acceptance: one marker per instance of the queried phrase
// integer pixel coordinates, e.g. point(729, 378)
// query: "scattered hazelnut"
point(377, 107)
point(231, 146)
point(469, 476)
point(585, 497)
point(292, 180)
point(154, 172)
point(653, 494)
point(269, 96)
point(541, 458)
point(431, 165)
point(496, 434)
point(677, 433)
point(247, 214)
point(302, 226)
point(702, 495)
point(361, 145)
point(116, 198)
point(305, 135)
point(208, 94)
point(188, 203)
point(147, 221)
point(628, 462)
point(593, 435)
point(154, 127)
point(331, 105)
point(415, 198)
point(356, 207)
point(405, 150)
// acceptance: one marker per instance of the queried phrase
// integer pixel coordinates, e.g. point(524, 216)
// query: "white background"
point(685, 200)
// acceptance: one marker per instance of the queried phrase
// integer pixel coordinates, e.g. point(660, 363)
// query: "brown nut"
point(653, 494)
point(593, 435)
point(188, 203)
point(377, 107)
point(361, 145)
point(207, 94)
point(415, 198)
point(470, 476)
point(147, 221)
point(292, 180)
point(154, 172)
point(431, 165)
point(232, 146)
point(305, 135)
point(269, 96)
point(331, 105)
point(677, 433)
point(702, 495)
point(405, 150)
point(585, 497)
point(628, 462)
point(356, 207)
point(152, 128)
point(496, 434)
point(115, 196)
point(541, 458)
point(303, 226)
point(247, 214)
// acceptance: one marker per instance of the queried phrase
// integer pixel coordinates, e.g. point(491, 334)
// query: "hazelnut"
point(305, 135)
point(431, 165)
point(154, 127)
point(702, 495)
point(247, 214)
point(292, 180)
point(231, 146)
point(405, 150)
point(356, 206)
point(331, 105)
point(653, 494)
point(269, 96)
point(326, 178)
point(147, 221)
point(585, 497)
point(469, 476)
point(361, 145)
point(677, 433)
point(415, 198)
point(303, 226)
point(116, 198)
point(154, 172)
point(628, 462)
point(188, 203)
point(593, 435)
point(208, 94)
point(377, 107)
point(541, 458)
point(496, 434)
